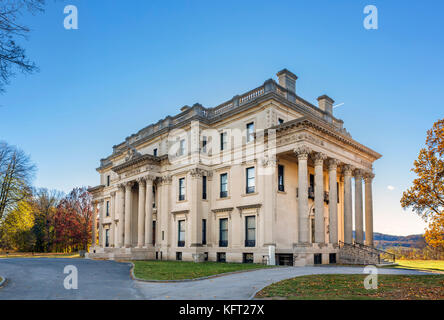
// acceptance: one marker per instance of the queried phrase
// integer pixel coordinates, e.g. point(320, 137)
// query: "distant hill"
point(384, 241)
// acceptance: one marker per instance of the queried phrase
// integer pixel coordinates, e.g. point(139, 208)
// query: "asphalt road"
point(43, 278)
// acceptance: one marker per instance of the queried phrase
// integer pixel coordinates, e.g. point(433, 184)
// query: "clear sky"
point(131, 63)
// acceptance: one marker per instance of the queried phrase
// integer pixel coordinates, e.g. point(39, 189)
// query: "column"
point(120, 214)
point(368, 209)
point(302, 154)
point(348, 219)
point(268, 175)
point(101, 214)
point(319, 198)
point(128, 209)
point(141, 213)
point(149, 211)
point(112, 241)
point(195, 197)
point(94, 224)
point(333, 201)
point(359, 224)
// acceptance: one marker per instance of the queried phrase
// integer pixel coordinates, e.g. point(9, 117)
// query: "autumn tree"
point(12, 55)
point(16, 173)
point(44, 206)
point(426, 196)
point(72, 220)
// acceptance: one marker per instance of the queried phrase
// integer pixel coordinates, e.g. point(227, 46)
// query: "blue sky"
point(131, 63)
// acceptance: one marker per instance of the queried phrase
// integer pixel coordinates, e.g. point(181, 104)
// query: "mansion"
point(264, 177)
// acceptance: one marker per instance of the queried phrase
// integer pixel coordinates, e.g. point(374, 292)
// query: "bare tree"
point(16, 173)
point(12, 55)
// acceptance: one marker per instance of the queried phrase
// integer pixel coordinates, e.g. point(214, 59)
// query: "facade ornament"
point(166, 179)
point(132, 152)
point(358, 173)
point(113, 193)
point(150, 178)
point(130, 184)
point(268, 161)
point(368, 176)
point(197, 172)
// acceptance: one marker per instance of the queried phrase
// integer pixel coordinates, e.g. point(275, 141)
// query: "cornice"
point(143, 159)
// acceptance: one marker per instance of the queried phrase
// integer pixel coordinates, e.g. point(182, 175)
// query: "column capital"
point(121, 186)
point(358, 173)
point(368, 177)
point(319, 158)
point(113, 193)
point(166, 179)
point(332, 164)
point(129, 184)
point(347, 169)
point(197, 172)
point(302, 152)
point(149, 179)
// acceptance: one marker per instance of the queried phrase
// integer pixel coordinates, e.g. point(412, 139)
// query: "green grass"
point(39, 255)
point(426, 265)
point(351, 287)
point(181, 270)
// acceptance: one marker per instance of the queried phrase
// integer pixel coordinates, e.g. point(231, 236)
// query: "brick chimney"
point(287, 80)
point(326, 104)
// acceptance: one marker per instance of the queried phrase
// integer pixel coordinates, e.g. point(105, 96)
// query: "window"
point(163, 235)
point(108, 180)
point(154, 196)
point(204, 144)
point(250, 231)
point(250, 131)
point(179, 256)
point(155, 152)
point(181, 233)
point(317, 257)
point(205, 256)
point(223, 232)
point(247, 258)
point(223, 141)
point(106, 237)
point(107, 208)
point(221, 257)
point(337, 190)
point(181, 189)
point(182, 147)
point(223, 185)
point(204, 187)
point(281, 178)
point(281, 121)
point(204, 231)
point(250, 180)
point(311, 187)
point(154, 233)
point(332, 257)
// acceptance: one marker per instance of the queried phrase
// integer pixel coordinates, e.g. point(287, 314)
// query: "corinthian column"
point(149, 211)
point(359, 224)
point(348, 219)
point(302, 154)
point(128, 209)
point(332, 202)
point(141, 214)
point(94, 224)
point(319, 198)
point(101, 213)
point(120, 214)
point(368, 209)
point(112, 241)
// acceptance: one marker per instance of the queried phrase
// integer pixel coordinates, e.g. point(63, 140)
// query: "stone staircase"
point(356, 253)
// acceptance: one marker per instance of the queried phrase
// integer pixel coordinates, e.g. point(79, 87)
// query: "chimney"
point(287, 80)
point(326, 104)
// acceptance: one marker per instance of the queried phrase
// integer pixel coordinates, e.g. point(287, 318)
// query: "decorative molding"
point(302, 152)
point(332, 164)
point(319, 158)
point(180, 212)
point(347, 169)
point(228, 209)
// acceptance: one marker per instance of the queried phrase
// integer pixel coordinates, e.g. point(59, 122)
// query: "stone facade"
point(264, 177)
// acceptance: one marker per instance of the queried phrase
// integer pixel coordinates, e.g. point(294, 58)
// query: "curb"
point(195, 279)
point(3, 281)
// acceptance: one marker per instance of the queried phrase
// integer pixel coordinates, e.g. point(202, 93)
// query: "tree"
point(12, 55)
point(16, 173)
point(426, 196)
point(72, 220)
point(15, 231)
point(44, 204)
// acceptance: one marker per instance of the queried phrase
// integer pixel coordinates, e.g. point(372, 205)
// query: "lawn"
point(180, 270)
point(426, 265)
point(346, 287)
point(39, 255)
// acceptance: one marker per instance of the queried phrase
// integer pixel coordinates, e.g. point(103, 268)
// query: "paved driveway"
point(42, 278)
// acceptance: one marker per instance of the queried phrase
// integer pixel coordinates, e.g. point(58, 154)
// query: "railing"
point(388, 257)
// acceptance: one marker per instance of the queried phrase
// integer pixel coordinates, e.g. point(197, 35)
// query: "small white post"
point(271, 255)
